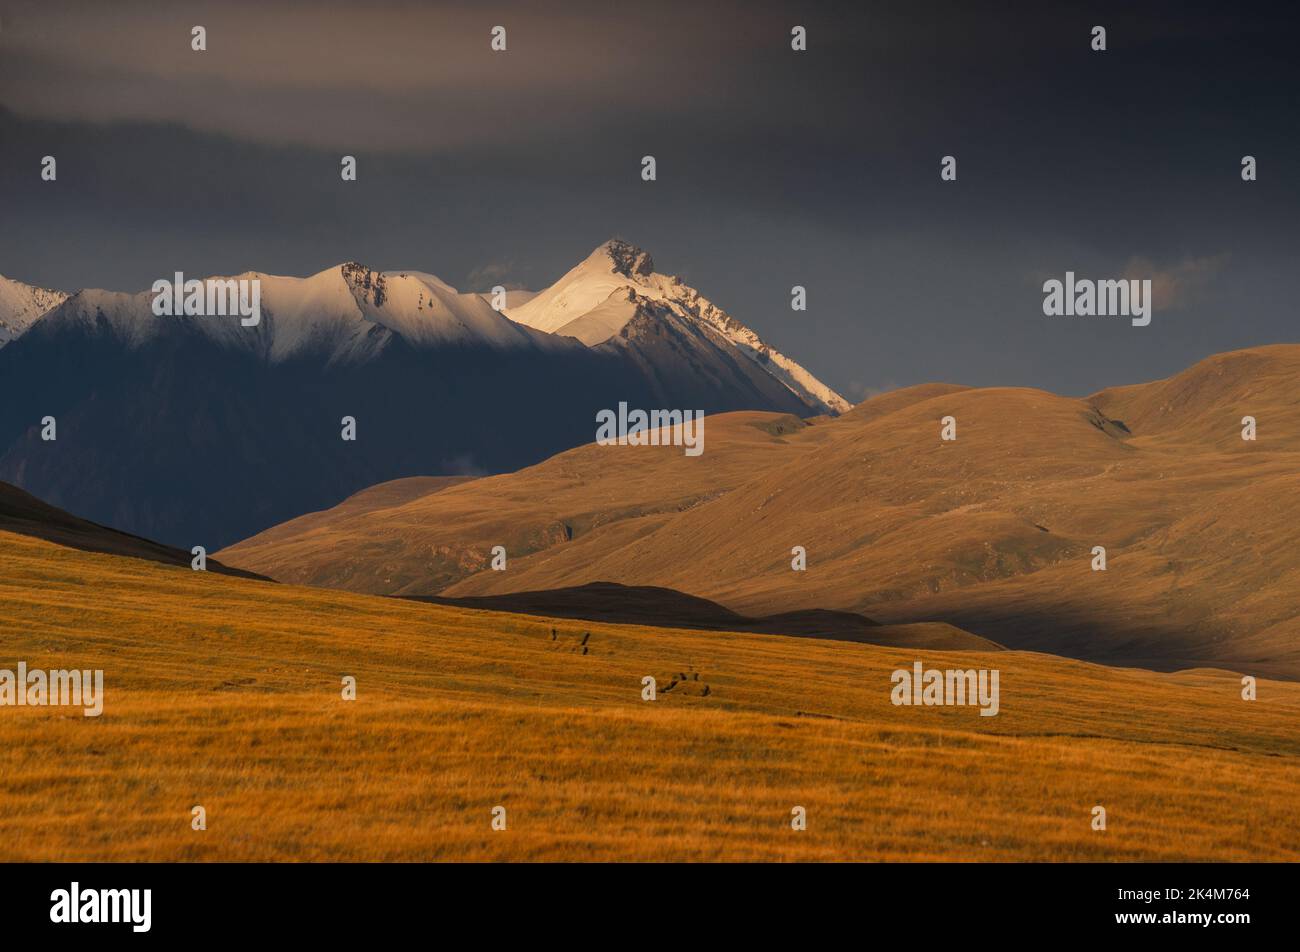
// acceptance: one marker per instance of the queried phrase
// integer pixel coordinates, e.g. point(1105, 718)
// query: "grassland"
point(225, 692)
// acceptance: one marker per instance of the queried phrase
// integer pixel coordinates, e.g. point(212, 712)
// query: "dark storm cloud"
point(775, 168)
point(389, 76)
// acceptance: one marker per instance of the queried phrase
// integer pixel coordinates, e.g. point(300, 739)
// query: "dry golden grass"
point(226, 693)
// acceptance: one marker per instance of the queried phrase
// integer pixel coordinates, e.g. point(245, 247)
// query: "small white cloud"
point(1177, 285)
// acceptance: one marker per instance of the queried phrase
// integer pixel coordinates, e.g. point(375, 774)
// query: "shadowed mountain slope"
point(24, 514)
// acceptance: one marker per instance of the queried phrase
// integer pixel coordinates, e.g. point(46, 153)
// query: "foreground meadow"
point(226, 693)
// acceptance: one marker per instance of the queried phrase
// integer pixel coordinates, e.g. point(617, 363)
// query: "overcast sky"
point(775, 168)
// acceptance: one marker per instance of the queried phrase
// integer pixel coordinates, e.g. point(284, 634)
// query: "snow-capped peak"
point(611, 269)
point(595, 300)
point(21, 305)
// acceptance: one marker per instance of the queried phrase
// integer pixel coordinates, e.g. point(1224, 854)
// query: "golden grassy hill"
point(421, 544)
point(225, 692)
point(992, 533)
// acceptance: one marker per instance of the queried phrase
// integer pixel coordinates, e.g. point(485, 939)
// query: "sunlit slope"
point(421, 544)
point(225, 693)
point(993, 532)
point(1205, 404)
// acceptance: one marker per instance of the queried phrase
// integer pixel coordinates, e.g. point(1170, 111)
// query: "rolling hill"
point(993, 532)
point(664, 608)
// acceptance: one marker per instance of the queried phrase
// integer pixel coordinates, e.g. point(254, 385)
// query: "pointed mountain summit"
point(615, 296)
point(611, 269)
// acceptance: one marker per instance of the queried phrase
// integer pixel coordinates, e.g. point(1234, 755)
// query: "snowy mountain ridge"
point(347, 313)
point(612, 300)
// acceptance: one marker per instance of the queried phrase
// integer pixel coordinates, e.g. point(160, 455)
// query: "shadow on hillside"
point(666, 608)
point(23, 514)
point(1105, 638)
point(662, 608)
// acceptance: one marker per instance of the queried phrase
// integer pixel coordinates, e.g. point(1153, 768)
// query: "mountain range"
point(199, 430)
